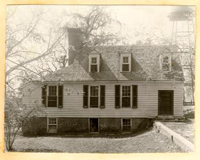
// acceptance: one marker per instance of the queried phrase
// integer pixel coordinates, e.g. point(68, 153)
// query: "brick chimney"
point(75, 42)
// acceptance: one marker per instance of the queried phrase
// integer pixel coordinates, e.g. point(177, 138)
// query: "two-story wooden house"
point(107, 89)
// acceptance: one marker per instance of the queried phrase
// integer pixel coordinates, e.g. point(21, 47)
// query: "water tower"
point(183, 36)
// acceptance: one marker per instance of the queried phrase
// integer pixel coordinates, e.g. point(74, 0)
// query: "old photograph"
point(100, 78)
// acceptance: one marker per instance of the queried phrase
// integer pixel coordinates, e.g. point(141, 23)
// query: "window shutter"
point(117, 96)
point(135, 96)
point(85, 96)
point(44, 95)
point(60, 96)
point(102, 96)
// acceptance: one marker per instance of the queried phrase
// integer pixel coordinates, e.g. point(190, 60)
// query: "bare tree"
point(16, 113)
point(27, 44)
point(95, 25)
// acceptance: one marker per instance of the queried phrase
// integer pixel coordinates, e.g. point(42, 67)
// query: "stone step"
point(170, 118)
point(165, 117)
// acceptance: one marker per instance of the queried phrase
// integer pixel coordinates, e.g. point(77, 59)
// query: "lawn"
point(147, 142)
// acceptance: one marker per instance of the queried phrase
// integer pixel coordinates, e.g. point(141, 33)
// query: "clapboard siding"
point(73, 100)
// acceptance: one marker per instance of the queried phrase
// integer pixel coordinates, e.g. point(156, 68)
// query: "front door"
point(94, 125)
point(165, 102)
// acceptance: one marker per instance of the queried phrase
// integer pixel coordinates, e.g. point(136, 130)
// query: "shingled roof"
point(145, 64)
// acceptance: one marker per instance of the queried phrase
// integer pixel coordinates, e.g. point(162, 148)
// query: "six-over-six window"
point(52, 125)
point(52, 96)
point(126, 125)
point(94, 96)
point(126, 96)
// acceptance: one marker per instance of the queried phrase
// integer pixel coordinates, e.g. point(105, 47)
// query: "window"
point(52, 125)
point(126, 96)
point(126, 63)
point(94, 63)
point(126, 125)
point(52, 96)
point(166, 64)
point(94, 96)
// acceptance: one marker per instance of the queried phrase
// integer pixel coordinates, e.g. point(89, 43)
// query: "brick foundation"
point(38, 126)
point(72, 125)
point(109, 125)
point(34, 126)
point(139, 124)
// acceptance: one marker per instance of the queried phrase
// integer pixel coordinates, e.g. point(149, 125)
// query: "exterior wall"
point(73, 100)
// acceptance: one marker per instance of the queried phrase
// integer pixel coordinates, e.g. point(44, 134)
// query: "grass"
point(148, 142)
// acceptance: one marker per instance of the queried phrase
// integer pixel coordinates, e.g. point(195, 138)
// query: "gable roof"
point(145, 64)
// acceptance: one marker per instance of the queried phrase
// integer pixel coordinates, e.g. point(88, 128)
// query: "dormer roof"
point(145, 64)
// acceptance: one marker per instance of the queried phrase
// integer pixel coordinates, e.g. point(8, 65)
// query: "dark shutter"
point(60, 96)
point(85, 96)
point(44, 95)
point(117, 96)
point(135, 96)
point(102, 96)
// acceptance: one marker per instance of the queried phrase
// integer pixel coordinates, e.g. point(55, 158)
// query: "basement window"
point(126, 125)
point(52, 125)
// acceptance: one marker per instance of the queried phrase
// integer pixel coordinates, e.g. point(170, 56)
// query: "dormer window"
point(166, 63)
point(125, 62)
point(94, 63)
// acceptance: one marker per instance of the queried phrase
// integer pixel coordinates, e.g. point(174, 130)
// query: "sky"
point(138, 22)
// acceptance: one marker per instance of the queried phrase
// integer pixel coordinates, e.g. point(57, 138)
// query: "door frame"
point(172, 105)
point(89, 124)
